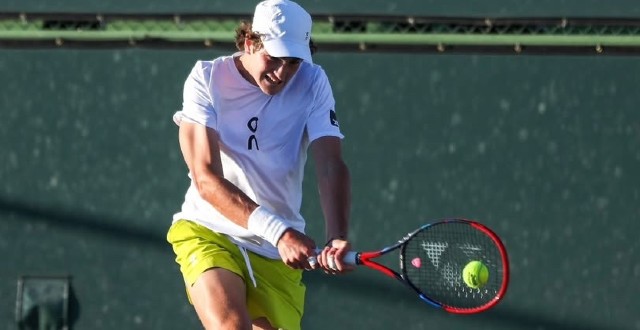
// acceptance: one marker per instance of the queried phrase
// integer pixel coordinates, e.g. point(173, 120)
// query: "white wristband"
point(266, 225)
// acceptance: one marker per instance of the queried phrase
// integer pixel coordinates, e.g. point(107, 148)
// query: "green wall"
point(545, 150)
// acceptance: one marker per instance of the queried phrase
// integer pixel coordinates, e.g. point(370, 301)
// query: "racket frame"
point(366, 259)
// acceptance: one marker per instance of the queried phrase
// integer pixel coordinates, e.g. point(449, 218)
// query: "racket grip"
point(350, 258)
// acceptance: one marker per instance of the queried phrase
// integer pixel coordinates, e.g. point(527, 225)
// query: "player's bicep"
point(199, 145)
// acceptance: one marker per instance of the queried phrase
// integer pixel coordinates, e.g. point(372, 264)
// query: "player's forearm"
point(334, 185)
point(225, 197)
point(199, 146)
point(236, 206)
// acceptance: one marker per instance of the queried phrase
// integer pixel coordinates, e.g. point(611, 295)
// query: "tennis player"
point(246, 124)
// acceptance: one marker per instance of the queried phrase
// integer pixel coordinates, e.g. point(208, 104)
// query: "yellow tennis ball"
point(475, 274)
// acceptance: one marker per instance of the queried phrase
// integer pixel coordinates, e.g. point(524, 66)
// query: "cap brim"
point(284, 48)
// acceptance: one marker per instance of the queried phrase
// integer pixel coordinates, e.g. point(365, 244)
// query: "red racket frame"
point(366, 259)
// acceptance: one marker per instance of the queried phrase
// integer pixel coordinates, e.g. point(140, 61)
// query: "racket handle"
point(350, 258)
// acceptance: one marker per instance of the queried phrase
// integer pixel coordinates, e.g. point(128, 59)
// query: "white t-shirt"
point(263, 140)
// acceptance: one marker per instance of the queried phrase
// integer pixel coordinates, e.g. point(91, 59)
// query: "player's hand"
point(295, 248)
point(331, 258)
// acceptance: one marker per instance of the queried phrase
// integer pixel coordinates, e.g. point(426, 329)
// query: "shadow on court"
point(369, 288)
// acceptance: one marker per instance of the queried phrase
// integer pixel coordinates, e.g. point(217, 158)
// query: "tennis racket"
point(432, 259)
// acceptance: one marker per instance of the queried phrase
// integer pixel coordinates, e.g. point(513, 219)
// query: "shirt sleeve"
point(197, 102)
point(323, 120)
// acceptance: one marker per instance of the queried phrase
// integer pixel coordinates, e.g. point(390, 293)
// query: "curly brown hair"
point(244, 31)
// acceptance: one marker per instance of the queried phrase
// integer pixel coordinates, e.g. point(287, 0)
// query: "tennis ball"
point(475, 274)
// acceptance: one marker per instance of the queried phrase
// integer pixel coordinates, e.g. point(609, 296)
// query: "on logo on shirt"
point(253, 127)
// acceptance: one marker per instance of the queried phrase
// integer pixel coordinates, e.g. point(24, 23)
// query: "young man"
point(245, 127)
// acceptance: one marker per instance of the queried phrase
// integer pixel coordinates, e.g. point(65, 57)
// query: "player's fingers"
point(331, 261)
point(301, 263)
point(339, 256)
point(322, 258)
point(327, 260)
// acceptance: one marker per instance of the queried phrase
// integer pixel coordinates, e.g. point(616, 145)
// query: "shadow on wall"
point(367, 289)
point(76, 221)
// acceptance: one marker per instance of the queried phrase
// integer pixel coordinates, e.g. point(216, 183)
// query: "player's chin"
point(271, 88)
point(270, 91)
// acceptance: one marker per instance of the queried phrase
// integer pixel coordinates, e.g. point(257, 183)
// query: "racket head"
point(432, 259)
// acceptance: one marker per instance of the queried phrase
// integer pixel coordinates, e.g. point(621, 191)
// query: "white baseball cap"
point(285, 28)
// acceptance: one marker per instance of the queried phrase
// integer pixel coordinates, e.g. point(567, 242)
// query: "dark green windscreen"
point(543, 149)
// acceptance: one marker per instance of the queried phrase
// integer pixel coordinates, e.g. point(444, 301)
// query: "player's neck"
point(241, 65)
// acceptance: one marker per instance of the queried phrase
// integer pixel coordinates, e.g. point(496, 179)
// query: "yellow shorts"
point(279, 295)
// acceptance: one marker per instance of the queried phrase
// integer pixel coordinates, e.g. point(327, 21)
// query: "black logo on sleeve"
point(253, 127)
point(333, 118)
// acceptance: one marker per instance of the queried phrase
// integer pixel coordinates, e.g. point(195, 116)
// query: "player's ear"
point(248, 46)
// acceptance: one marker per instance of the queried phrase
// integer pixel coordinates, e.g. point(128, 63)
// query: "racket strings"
point(433, 261)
